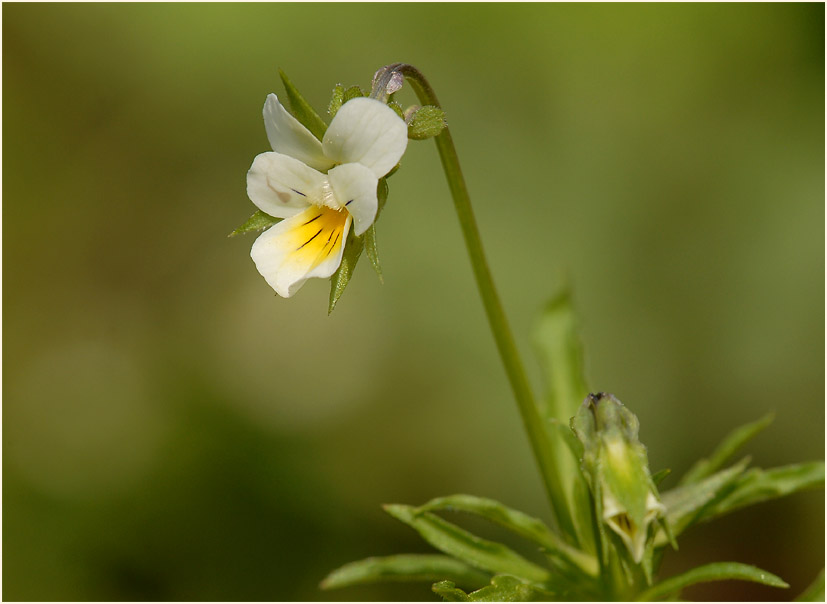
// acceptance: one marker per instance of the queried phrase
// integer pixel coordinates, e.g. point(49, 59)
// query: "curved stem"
point(534, 425)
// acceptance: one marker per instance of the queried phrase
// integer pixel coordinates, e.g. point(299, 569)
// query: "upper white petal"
point(288, 136)
point(355, 188)
point(281, 185)
point(309, 244)
point(368, 132)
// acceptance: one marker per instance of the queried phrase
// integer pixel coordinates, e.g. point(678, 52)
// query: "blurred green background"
point(173, 430)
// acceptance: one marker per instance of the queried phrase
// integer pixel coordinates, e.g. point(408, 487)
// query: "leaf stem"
point(534, 425)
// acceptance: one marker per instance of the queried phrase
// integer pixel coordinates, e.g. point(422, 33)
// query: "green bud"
point(618, 469)
point(425, 122)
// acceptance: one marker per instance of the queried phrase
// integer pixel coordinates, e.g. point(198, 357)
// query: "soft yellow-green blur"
point(173, 430)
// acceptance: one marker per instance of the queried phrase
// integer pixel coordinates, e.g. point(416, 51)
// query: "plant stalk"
point(532, 420)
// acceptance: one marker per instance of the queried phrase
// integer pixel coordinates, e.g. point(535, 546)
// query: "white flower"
point(319, 188)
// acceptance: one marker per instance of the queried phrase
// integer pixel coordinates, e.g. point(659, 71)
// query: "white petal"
point(355, 188)
point(282, 186)
point(368, 132)
point(309, 244)
point(288, 136)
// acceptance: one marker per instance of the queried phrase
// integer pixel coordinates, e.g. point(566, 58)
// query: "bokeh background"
point(173, 430)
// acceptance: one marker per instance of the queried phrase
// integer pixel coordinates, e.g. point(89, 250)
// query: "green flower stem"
point(541, 446)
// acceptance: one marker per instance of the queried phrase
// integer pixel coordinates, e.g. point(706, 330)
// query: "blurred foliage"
point(172, 430)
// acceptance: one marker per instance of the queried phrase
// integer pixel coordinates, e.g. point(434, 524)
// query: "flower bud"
point(616, 464)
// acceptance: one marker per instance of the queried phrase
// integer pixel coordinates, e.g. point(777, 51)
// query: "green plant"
point(611, 523)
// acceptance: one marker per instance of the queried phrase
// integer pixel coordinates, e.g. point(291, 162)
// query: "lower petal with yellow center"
point(309, 244)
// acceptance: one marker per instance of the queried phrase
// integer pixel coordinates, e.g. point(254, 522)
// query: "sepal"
point(425, 122)
point(255, 223)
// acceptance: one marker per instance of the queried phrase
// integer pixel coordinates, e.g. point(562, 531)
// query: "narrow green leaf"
point(558, 346)
point(405, 567)
point(354, 246)
point(302, 110)
point(524, 525)
point(718, 571)
point(449, 592)
point(815, 592)
point(658, 477)
point(381, 195)
point(370, 234)
point(758, 485)
point(564, 432)
point(257, 222)
point(372, 252)
point(728, 447)
point(454, 541)
point(684, 504)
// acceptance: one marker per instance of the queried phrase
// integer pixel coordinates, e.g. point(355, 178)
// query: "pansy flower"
point(319, 188)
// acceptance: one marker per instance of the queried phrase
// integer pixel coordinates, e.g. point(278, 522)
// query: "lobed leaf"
point(454, 541)
point(522, 524)
point(717, 571)
point(302, 110)
point(728, 447)
point(257, 222)
point(503, 588)
point(449, 592)
point(405, 567)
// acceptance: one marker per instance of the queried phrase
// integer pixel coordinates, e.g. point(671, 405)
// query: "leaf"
point(302, 110)
point(503, 588)
point(454, 541)
point(718, 571)
point(353, 250)
point(405, 567)
point(257, 222)
point(728, 447)
point(558, 346)
point(449, 592)
point(684, 503)
point(524, 525)
point(815, 592)
point(372, 252)
point(658, 477)
point(370, 234)
point(759, 485)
